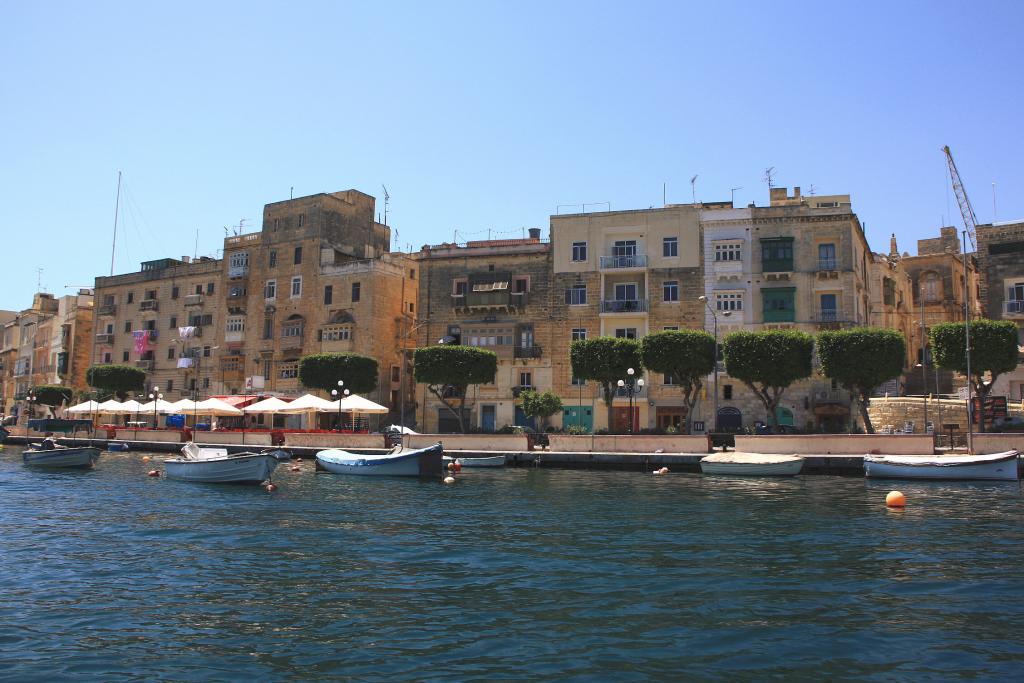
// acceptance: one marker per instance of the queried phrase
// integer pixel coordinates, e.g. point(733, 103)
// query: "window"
point(239, 262)
point(170, 385)
point(412, 307)
point(106, 357)
point(355, 292)
point(298, 255)
point(826, 257)
point(237, 291)
point(108, 300)
point(336, 333)
point(150, 293)
point(579, 333)
point(206, 352)
point(328, 294)
point(729, 251)
point(828, 308)
point(209, 288)
point(131, 297)
point(624, 248)
point(174, 292)
point(396, 373)
point(888, 291)
point(727, 392)
point(268, 329)
point(671, 328)
point(170, 353)
point(199, 320)
point(277, 224)
point(729, 301)
point(778, 304)
point(526, 379)
point(292, 328)
point(236, 323)
point(412, 273)
point(459, 288)
point(576, 295)
point(267, 365)
point(272, 258)
point(1016, 292)
point(302, 219)
point(625, 291)
point(670, 290)
point(174, 322)
point(777, 254)
point(670, 380)
point(520, 285)
point(289, 370)
point(199, 289)
point(626, 333)
point(110, 328)
point(124, 356)
point(670, 246)
point(296, 286)
point(127, 325)
point(579, 251)
point(931, 286)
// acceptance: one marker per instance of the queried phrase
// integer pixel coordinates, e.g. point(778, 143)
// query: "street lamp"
point(155, 396)
point(338, 394)
point(631, 385)
point(725, 314)
point(31, 403)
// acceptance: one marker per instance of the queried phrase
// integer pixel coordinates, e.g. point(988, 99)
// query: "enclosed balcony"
point(146, 365)
point(107, 309)
point(148, 305)
point(194, 300)
point(105, 338)
point(233, 367)
point(489, 292)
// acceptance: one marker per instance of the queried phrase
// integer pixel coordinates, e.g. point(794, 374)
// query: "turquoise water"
point(516, 574)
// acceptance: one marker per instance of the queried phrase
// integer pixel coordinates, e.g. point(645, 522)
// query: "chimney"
point(776, 194)
point(535, 233)
point(796, 192)
point(186, 259)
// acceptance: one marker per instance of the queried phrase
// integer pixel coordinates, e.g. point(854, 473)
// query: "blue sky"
point(485, 116)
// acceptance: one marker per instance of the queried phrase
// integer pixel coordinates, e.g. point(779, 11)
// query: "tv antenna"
point(812, 190)
point(769, 176)
point(732, 194)
point(39, 279)
point(693, 188)
point(387, 198)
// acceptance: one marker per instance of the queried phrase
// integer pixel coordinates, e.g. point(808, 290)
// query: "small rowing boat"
point(752, 464)
point(54, 455)
point(997, 466)
point(217, 466)
point(487, 461)
point(398, 462)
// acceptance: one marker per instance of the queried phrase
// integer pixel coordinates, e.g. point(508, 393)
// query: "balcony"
point(291, 342)
point(500, 299)
point(146, 365)
point(624, 261)
point(105, 338)
point(237, 272)
point(237, 295)
point(827, 264)
point(107, 309)
point(829, 396)
point(526, 352)
point(624, 306)
point(830, 318)
point(233, 367)
point(194, 300)
point(1013, 308)
point(148, 305)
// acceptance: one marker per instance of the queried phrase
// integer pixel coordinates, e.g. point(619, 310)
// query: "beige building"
point(8, 358)
point(495, 295)
point(1001, 292)
point(623, 274)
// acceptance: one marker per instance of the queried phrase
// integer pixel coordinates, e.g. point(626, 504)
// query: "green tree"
point(119, 380)
point(768, 362)
point(605, 360)
point(323, 370)
point(861, 358)
point(687, 355)
point(52, 394)
point(448, 370)
point(542, 405)
point(994, 351)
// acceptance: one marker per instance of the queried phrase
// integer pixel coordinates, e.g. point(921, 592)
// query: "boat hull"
point(240, 469)
point(116, 447)
point(3, 434)
point(423, 462)
point(63, 457)
point(996, 467)
point(488, 461)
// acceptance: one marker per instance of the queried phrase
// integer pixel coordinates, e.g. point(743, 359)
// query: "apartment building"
point(163, 319)
point(623, 274)
point(495, 295)
point(1001, 291)
point(8, 356)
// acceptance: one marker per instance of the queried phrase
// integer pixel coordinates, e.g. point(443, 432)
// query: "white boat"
point(61, 456)
point(997, 466)
point(399, 462)
point(217, 466)
point(488, 461)
point(752, 464)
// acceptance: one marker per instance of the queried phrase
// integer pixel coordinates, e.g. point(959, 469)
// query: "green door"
point(578, 415)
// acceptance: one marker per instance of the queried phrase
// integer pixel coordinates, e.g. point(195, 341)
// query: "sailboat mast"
point(117, 209)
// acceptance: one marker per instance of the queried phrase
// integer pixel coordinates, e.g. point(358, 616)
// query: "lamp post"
point(338, 394)
point(31, 404)
point(924, 371)
point(725, 314)
point(631, 385)
point(155, 396)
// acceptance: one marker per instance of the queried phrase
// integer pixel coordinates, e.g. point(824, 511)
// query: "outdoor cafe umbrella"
point(310, 403)
point(83, 408)
point(110, 407)
point(267, 405)
point(217, 408)
point(358, 404)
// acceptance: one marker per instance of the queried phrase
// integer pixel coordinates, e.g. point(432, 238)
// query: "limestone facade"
point(1001, 259)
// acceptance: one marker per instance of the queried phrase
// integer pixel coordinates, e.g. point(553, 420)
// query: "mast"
point(117, 209)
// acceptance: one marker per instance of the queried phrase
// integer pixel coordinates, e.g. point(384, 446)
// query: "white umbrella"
point(358, 404)
point(86, 408)
point(111, 407)
point(129, 407)
point(162, 407)
point(308, 403)
point(267, 405)
point(185, 405)
point(217, 407)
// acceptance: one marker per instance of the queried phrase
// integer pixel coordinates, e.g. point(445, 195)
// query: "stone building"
point(318, 277)
point(623, 274)
point(495, 295)
point(890, 289)
point(1001, 262)
point(8, 358)
point(139, 317)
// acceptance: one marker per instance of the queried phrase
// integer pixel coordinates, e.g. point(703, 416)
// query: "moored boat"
point(61, 456)
point(217, 466)
point(3, 433)
point(996, 466)
point(399, 462)
point(752, 464)
point(486, 461)
point(118, 447)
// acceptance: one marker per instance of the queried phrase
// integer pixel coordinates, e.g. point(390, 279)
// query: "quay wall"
point(998, 443)
point(637, 443)
point(836, 444)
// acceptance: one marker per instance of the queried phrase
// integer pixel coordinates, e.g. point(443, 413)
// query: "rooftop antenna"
point(664, 195)
point(769, 176)
point(387, 198)
point(812, 190)
point(693, 188)
point(732, 194)
point(291, 192)
point(39, 279)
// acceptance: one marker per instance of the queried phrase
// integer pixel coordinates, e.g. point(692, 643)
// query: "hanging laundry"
point(141, 341)
point(187, 332)
point(184, 362)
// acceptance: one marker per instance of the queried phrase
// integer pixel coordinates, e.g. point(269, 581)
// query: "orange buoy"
point(451, 465)
point(145, 458)
point(153, 473)
point(895, 499)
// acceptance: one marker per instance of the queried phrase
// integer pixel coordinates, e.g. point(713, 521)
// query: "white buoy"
point(449, 480)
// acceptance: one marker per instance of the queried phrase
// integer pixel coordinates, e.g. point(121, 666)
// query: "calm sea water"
point(518, 574)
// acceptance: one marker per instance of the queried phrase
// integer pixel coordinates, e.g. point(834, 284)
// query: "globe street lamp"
point(155, 396)
point(725, 314)
point(632, 385)
point(31, 413)
point(338, 394)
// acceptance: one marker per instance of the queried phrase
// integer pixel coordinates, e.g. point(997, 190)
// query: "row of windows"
point(576, 295)
point(270, 290)
point(152, 294)
point(669, 248)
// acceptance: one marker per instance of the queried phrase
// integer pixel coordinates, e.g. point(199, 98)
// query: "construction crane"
point(961, 198)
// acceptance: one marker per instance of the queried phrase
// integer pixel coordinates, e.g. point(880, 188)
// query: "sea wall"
point(836, 444)
point(636, 443)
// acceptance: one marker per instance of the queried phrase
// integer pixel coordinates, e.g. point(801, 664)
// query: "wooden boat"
point(997, 466)
point(61, 456)
point(488, 461)
point(752, 464)
point(118, 447)
point(217, 466)
point(399, 462)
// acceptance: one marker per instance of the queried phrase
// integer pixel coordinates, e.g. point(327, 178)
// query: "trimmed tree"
point(119, 380)
point(323, 370)
point(448, 370)
point(993, 350)
point(687, 355)
point(52, 394)
point(542, 405)
point(768, 362)
point(861, 358)
point(605, 360)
